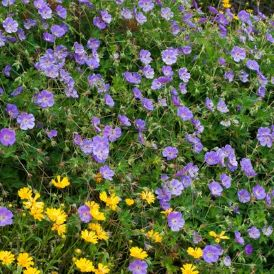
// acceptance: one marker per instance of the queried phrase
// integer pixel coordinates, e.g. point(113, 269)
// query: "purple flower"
point(112, 133)
point(169, 56)
point(17, 91)
point(99, 23)
point(215, 188)
point(106, 17)
point(175, 221)
point(148, 72)
point(212, 158)
point(184, 75)
point(261, 92)
point(52, 133)
point(5, 216)
point(265, 137)
point(12, 110)
point(61, 12)
point(167, 71)
point(225, 180)
point(238, 54)
point(209, 104)
point(144, 56)
point(95, 121)
point(227, 261)
point(132, 77)
point(85, 145)
point(124, 121)
point(243, 196)
point(247, 168)
point(166, 13)
point(7, 137)
point(84, 214)
point(238, 238)
point(7, 70)
point(106, 172)
point(196, 237)
point(259, 192)
point(138, 267)
point(252, 65)
point(100, 148)
point(254, 232)
point(109, 101)
point(44, 99)
point(140, 125)
point(248, 249)
point(58, 30)
point(244, 16)
point(184, 113)
point(170, 153)
point(222, 107)
point(229, 75)
point(7, 3)
point(10, 25)
point(147, 104)
point(26, 121)
point(175, 186)
point(140, 18)
point(146, 5)
point(211, 253)
point(93, 44)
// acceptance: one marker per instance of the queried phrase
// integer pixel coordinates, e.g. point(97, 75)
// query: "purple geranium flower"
point(267, 230)
point(212, 158)
point(132, 77)
point(170, 153)
point(138, 267)
point(106, 172)
point(146, 5)
point(58, 30)
point(169, 56)
point(26, 121)
point(225, 180)
point(247, 168)
point(7, 137)
point(259, 192)
point(211, 253)
point(10, 25)
point(265, 137)
point(215, 188)
point(44, 99)
point(184, 75)
point(52, 133)
point(175, 221)
point(253, 65)
point(145, 56)
point(248, 249)
point(238, 54)
point(222, 107)
point(238, 238)
point(12, 110)
point(84, 214)
point(184, 113)
point(5, 216)
point(244, 196)
point(254, 232)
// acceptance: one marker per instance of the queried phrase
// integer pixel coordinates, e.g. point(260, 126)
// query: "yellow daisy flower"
point(189, 269)
point(196, 252)
point(24, 260)
point(84, 265)
point(56, 215)
point(6, 257)
point(138, 253)
point(31, 270)
point(25, 193)
point(148, 197)
point(102, 269)
point(60, 183)
point(89, 236)
point(129, 201)
point(154, 236)
point(101, 234)
point(95, 211)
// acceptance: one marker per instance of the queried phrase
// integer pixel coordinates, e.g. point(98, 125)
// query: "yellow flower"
point(138, 253)
point(6, 257)
point(102, 269)
point(60, 183)
point(31, 270)
point(218, 237)
point(31, 201)
point(56, 215)
point(101, 234)
point(154, 235)
point(111, 201)
point(25, 260)
point(129, 201)
point(37, 210)
point(95, 211)
point(189, 269)
point(60, 228)
point(148, 196)
point(84, 265)
point(226, 4)
point(196, 252)
point(25, 193)
point(89, 236)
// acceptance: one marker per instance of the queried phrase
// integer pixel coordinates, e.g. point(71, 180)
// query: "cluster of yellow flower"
point(86, 265)
point(111, 201)
point(95, 233)
point(95, 211)
point(36, 208)
point(24, 261)
point(58, 217)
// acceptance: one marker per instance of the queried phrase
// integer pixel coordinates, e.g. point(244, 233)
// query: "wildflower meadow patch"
point(136, 137)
